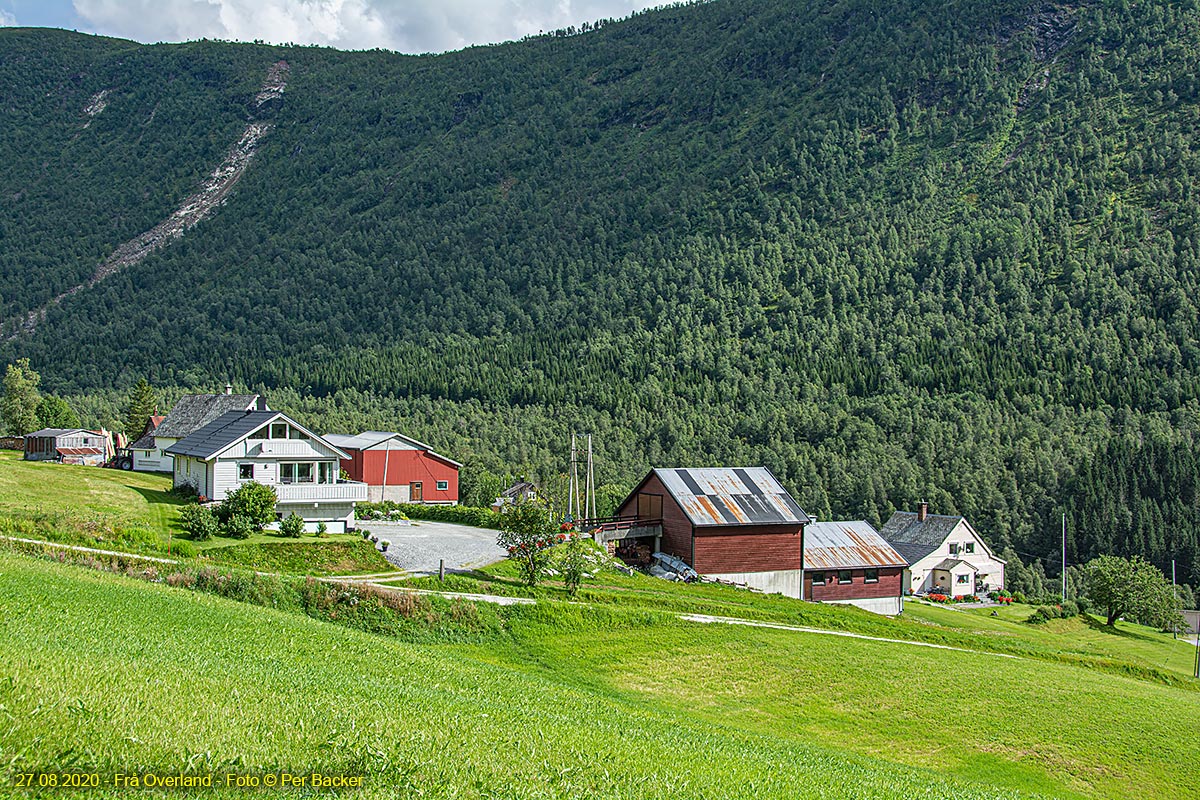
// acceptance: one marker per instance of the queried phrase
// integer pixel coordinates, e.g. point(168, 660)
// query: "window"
point(871, 576)
point(954, 548)
point(245, 472)
point(963, 579)
point(261, 433)
point(818, 577)
point(296, 473)
point(845, 576)
point(326, 472)
point(969, 547)
point(279, 430)
point(443, 486)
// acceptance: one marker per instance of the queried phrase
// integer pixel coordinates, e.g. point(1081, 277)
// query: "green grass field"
point(103, 672)
point(136, 512)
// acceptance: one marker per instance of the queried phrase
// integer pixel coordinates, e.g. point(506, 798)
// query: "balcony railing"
point(340, 492)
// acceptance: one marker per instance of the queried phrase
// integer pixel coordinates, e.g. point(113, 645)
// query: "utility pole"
point(590, 491)
point(1064, 557)
point(573, 484)
point(1175, 594)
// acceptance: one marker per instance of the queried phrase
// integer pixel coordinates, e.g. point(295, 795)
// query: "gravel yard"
point(417, 547)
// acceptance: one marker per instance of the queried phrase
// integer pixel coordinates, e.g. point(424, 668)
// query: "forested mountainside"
point(893, 250)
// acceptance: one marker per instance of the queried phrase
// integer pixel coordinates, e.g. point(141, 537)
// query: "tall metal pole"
point(1174, 594)
point(573, 483)
point(1064, 557)
point(590, 492)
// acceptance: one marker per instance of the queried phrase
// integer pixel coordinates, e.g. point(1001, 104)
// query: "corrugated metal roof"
point(80, 451)
point(369, 439)
point(731, 496)
point(845, 545)
point(56, 432)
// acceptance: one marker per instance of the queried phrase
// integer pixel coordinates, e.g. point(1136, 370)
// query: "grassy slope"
point(133, 498)
point(96, 507)
point(109, 674)
point(1132, 649)
point(571, 703)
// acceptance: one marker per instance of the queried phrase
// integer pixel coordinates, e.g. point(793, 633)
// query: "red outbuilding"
point(730, 523)
point(398, 468)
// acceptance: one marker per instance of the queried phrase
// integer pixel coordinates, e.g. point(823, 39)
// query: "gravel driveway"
point(417, 547)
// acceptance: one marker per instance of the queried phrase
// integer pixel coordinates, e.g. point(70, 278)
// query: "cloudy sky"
point(409, 26)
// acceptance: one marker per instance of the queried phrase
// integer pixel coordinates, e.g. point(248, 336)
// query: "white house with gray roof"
point(190, 414)
point(270, 448)
point(945, 554)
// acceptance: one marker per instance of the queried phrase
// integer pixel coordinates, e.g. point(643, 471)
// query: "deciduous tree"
point(1131, 587)
point(19, 405)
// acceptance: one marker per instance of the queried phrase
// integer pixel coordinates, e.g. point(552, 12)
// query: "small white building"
point(945, 554)
point(269, 448)
point(190, 414)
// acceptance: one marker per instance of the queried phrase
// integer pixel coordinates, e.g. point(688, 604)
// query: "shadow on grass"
point(1113, 630)
point(157, 496)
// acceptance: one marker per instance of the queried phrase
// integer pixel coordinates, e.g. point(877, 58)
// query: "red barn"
point(850, 562)
point(735, 524)
point(398, 468)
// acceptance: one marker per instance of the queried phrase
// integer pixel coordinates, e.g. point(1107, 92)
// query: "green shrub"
point(251, 500)
point(182, 548)
point(573, 564)
point(322, 530)
point(199, 522)
point(462, 515)
point(240, 526)
point(292, 527)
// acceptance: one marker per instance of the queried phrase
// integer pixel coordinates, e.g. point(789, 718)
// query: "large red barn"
point(398, 468)
point(735, 524)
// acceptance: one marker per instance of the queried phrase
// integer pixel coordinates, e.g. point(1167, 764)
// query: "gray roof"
point(950, 563)
point(56, 432)
point(368, 439)
point(731, 496)
point(915, 539)
point(845, 545)
point(194, 411)
point(219, 434)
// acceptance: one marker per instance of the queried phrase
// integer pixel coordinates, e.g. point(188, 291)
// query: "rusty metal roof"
point(731, 496)
point(845, 545)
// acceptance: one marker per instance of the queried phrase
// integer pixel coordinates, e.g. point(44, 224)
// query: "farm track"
point(372, 581)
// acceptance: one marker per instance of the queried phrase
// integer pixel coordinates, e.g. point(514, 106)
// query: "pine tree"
point(142, 403)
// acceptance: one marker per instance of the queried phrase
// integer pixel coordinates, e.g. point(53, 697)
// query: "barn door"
point(416, 492)
point(649, 506)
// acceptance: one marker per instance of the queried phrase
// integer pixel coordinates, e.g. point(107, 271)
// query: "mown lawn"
point(106, 673)
point(136, 512)
point(128, 498)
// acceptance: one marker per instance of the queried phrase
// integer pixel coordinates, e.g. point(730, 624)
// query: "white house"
point(192, 412)
point(945, 553)
point(272, 449)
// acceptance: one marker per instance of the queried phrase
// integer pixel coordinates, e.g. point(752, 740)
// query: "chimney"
point(922, 511)
point(228, 388)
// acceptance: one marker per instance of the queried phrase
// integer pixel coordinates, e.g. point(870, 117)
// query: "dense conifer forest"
point(893, 250)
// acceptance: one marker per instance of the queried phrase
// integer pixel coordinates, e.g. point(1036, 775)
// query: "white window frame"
point(867, 576)
point(443, 486)
point(241, 467)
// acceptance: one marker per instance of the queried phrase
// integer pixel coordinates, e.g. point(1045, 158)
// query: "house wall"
point(405, 466)
point(192, 472)
point(338, 517)
point(991, 571)
point(784, 581)
point(890, 584)
point(676, 527)
point(152, 460)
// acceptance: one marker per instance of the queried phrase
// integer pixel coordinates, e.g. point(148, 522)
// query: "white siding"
point(781, 581)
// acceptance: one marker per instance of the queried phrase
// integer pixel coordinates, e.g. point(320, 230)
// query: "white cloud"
point(410, 26)
point(7, 20)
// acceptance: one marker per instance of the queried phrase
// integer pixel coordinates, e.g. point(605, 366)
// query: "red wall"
point(403, 468)
point(750, 548)
point(890, 585)
point(677, 528)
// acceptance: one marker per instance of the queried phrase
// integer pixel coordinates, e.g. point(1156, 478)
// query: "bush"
point(1018, 597)
point(199, 521)
point(462, 515)
point(322, 530)
point(240, 526)
point(251, 500)
point(573, 565)
point(292, 527)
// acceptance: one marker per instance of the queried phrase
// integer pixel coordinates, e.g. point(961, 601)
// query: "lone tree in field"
point(527, 531)
point(19, 406)
point(1131, 587)
point(142, 403)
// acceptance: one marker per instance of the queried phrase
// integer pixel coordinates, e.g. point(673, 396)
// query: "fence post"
point(442, 570)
